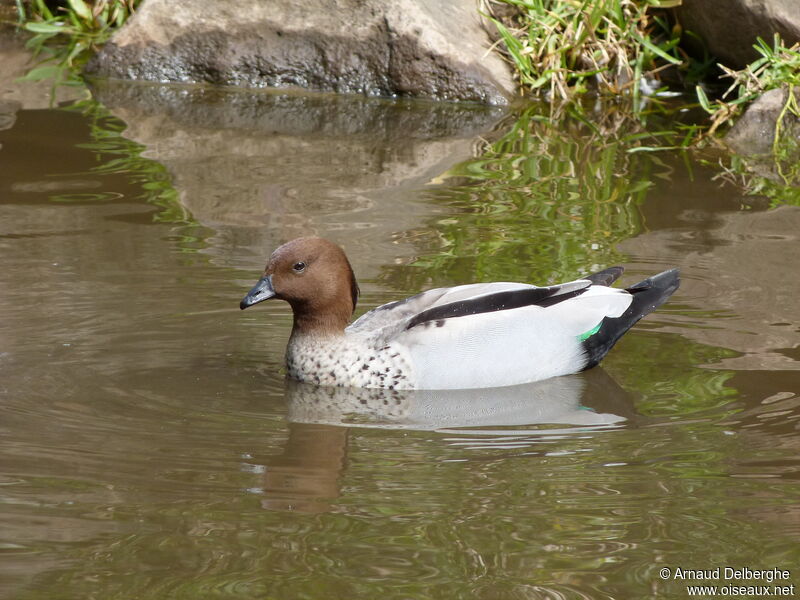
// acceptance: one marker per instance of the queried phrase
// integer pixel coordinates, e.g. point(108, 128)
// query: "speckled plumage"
point(348, 361)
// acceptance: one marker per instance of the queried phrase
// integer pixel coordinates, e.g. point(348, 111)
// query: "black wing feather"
point(605, 277)
point(647, 296)
point(540, 296)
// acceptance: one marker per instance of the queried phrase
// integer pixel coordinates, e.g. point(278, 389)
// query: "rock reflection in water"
point(734, 271)
point(263, 167)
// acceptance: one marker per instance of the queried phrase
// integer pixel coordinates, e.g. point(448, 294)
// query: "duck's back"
point(508, 347)
point(493, 334)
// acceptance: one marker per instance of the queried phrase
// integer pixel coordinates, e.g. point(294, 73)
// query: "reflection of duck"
point(470, 336)
point(305, 476)
point(578, 400)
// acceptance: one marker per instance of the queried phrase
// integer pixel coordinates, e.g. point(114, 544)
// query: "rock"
point(754, 132)
point(436, 50)
point(730, 27)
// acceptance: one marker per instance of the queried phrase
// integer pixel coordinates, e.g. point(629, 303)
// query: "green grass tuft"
point(65, 37)
point(568, 47)
point(777, 67)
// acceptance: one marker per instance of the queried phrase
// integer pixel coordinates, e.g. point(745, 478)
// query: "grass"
point(92, 21)
point(565, 48)
point(777, 175)
point(560, 49)
point(777, 67)
point(65, 37)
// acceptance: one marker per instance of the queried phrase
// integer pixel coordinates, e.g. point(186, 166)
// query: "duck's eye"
point(299, 267)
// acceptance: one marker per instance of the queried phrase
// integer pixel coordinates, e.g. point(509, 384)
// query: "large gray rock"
point(730, 27)
point(429, 49)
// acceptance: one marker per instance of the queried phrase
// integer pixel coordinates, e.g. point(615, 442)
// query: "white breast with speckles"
point(349, 361)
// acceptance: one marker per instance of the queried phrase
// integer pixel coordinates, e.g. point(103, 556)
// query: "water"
point(151, 447)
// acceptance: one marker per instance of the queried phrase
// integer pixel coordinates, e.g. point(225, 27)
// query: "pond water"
point(152, 447)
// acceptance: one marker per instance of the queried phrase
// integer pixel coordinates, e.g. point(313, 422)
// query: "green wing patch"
point(590, 333)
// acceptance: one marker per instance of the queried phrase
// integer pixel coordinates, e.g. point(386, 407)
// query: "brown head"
point(314, 276)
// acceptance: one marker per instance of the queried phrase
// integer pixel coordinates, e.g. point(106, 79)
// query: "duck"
point(477, 335)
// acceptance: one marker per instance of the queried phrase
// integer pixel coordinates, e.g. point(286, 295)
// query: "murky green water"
point(151, 447)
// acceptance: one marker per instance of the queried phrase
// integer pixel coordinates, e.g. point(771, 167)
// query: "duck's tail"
point(648, 295)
